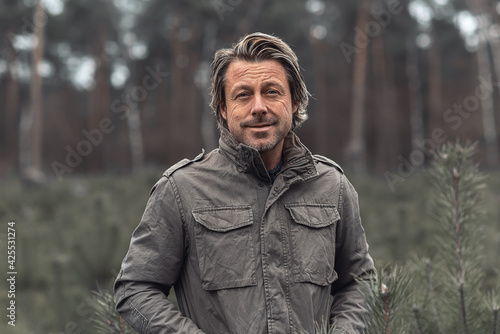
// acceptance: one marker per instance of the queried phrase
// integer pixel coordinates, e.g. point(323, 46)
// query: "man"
point(259, 235)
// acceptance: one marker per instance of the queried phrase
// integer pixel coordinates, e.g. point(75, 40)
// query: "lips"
point(260, 125)
point(261, 128)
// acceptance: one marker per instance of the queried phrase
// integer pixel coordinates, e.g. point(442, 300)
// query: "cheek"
point(287, 109)
point(233, 113)
point(223, 110)
point(231, 119)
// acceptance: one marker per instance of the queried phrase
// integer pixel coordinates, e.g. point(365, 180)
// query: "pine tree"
point(388, 298)
point(444, 294)
point(105, 318)
point(447, 288)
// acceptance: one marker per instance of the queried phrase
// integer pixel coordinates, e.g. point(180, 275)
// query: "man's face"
point(258, 107)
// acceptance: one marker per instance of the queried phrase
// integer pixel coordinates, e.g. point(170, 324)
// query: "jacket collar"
point(297, 159)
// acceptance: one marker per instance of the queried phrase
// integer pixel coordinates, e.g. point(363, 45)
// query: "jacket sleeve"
point(350, 311)
point(152, 265)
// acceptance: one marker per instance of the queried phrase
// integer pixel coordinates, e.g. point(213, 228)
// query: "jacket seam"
point(295, 163)
point(287, 264)
point(181, 212)
point(248, 219)
point(143, 319)
point(239, 167)
point(265, 277)
point(340, 205)
point(222, 208)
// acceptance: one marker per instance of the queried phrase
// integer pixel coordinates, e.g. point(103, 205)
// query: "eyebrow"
point(238, 87)
point(267, 84)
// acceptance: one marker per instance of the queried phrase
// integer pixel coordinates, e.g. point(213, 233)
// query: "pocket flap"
point(223, 219)
point(313, 215)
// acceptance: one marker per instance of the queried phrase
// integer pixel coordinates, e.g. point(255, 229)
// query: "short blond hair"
point(259, 47)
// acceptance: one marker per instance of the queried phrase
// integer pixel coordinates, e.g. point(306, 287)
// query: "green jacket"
point(245, 255)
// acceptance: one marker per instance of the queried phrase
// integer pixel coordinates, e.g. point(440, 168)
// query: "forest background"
point(120, 92)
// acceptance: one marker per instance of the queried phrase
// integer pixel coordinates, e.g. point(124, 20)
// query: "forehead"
point(241, 70)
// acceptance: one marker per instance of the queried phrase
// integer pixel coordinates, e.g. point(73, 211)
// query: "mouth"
point(260, 127)
point(263, 125)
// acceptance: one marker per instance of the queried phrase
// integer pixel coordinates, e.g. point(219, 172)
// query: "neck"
point(272, 157)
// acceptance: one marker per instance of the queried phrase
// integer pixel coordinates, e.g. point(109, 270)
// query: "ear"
point(223, 110)
point(295, 107)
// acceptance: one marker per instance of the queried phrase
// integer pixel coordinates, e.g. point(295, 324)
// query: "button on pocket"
point(313, 242)
point(225, 247)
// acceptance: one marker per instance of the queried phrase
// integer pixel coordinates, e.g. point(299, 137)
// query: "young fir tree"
point(444, 294)
point(105, 319)
point(448, 296)
point(389, 301)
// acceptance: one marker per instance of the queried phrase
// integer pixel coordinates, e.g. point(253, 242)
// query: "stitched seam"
point(321, 205)
point(314, 205)
point(247, 209)
point(144, 320)
point(181, 212)
point(341, 196)
point(286, 264)
point(222, 208)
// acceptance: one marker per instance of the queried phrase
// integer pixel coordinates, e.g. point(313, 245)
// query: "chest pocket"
point(312, 234)
point(225, 247)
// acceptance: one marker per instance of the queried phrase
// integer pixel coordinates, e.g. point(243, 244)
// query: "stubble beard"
point(274, 137)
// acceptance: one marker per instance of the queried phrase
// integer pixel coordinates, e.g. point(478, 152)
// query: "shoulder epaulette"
point(327, 161)
point(183, 163)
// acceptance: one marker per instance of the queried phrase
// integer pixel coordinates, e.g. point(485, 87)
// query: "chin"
point(263, 146)
point(261, 142)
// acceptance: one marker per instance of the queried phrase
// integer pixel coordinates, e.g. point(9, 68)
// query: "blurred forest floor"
point(73, 235)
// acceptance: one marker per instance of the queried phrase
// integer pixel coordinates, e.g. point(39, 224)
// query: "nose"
point(259, 107)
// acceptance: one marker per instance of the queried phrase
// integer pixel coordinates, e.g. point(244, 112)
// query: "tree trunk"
point(190, 112)
point(10, 160)
point(415, 91)
point(321, 125)
point(487, 107)
point(134, 126)
point(479, 9)
point(356, 148)
point(34, 169)
point(435, 88)
point(133, 117)
point(208, 123)
point(179, 57)
point(184, 102)
point(100, 102)
point(495, 50)
point(386, 140)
